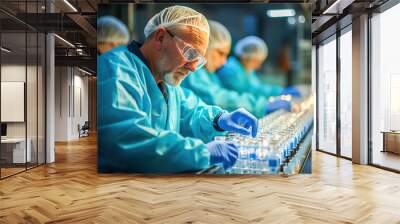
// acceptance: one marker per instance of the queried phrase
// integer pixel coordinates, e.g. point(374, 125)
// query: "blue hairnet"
point(111, 29)
point(177, 16)
point(219, 35)
point(251, 47)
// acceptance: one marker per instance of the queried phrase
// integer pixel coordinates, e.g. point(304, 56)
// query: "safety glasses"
point(189, 53)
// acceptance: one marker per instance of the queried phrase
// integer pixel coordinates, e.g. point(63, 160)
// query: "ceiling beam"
point(81, 61)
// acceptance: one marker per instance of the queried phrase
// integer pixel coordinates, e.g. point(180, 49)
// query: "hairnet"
point(219, 35)
point(111, 29)
point(251, 47)
point(176, 16)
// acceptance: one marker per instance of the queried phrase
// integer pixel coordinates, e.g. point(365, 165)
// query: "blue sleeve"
point(233, 77)
point(197, 117)
point(263, 89)
point(214, 94)
point(227, 77)
point(127, 142)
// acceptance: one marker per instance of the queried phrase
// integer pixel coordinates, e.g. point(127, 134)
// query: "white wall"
point(61, 103)
point(71, 93)
point(80, 115)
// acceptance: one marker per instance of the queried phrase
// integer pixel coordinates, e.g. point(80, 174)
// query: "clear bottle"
point(262, 157)
point(274, 158)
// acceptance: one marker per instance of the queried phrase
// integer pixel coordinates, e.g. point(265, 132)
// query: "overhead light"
point(328, 10)
point(70, 5)
point(5, 50)
point(79, 51)
point(337, 7)
point(301, 19)
point(291, 20)
point(281, 12)
point(84, 71)
point(65, 41)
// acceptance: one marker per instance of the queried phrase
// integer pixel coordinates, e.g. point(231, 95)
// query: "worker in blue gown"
point(111, 33)
point(238, 73)
point(147, 123)
point(205, 83)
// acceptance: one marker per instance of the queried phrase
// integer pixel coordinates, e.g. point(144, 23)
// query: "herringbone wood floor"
point(71, 191)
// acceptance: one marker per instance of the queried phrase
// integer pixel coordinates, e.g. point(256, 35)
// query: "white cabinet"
point(16, 149)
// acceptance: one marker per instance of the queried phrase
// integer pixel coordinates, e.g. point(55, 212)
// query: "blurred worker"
point(147, 122)
point(206, 84)
point(111, 33)
point(239, 72)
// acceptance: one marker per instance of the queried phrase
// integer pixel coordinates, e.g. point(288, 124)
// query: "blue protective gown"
point(208, 87)
point(233, 76)
point(137, 131)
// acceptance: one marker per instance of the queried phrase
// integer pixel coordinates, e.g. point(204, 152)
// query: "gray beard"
point(171, 80)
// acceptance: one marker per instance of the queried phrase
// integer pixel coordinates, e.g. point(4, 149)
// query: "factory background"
point(288, 38)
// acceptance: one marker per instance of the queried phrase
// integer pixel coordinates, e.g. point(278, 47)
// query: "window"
point(327, 96)
point(385, 85)
point(22, 89)
point(346, 93)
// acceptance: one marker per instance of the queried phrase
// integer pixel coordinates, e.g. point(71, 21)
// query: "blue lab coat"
point(138, 131)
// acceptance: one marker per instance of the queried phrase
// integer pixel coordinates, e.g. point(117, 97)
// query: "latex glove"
point(278, 104)
point(222, 152)
point(291, 91)
point(240, 121)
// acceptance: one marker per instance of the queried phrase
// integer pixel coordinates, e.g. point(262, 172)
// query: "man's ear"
point(115, 44)
point(159, 36)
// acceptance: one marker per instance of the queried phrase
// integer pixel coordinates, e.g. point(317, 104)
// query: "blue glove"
point(278, 104)
point(222, 152)
point(291, 91)
point(240, 121)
